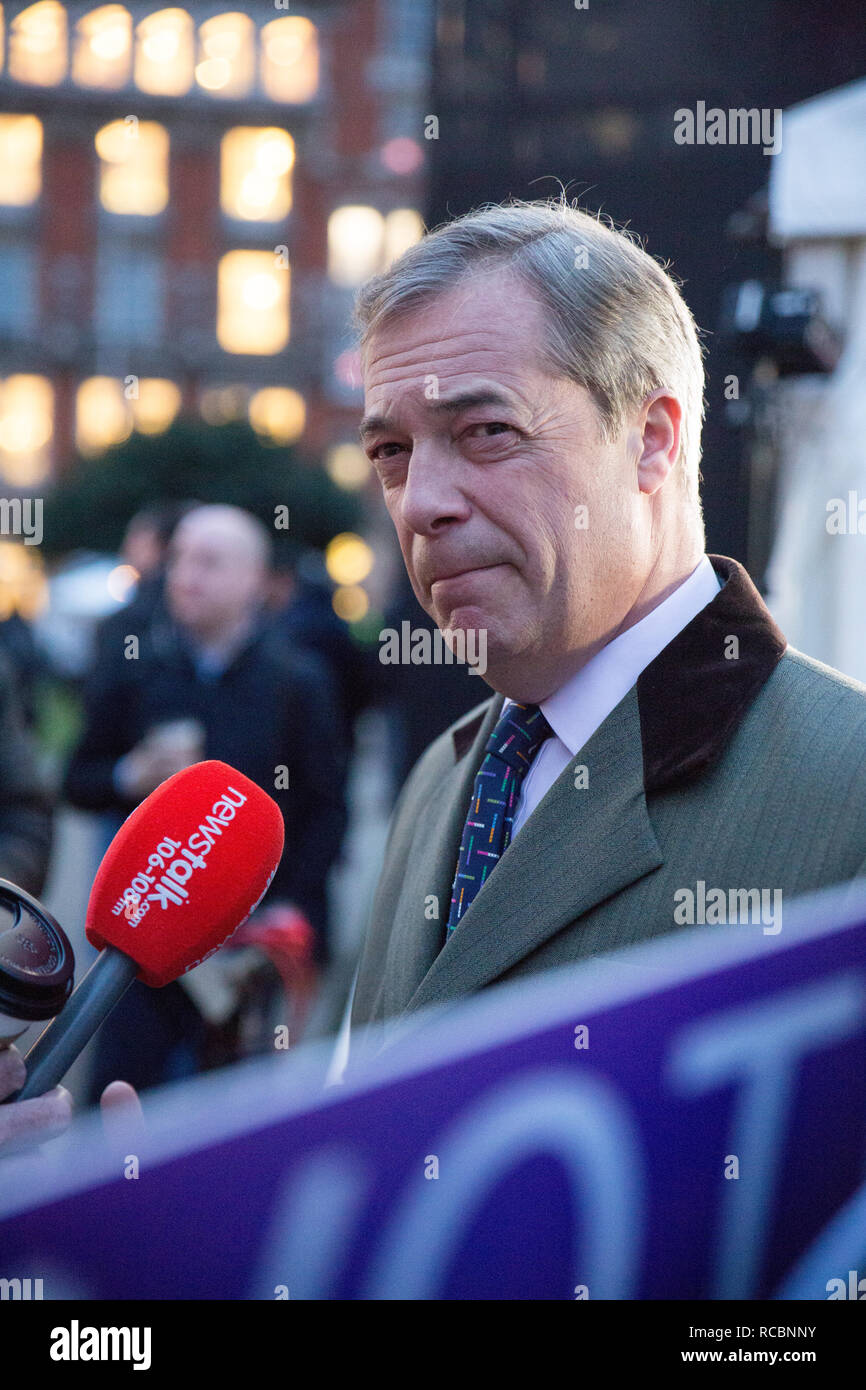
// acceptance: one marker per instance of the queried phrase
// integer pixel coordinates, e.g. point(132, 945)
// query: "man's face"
point(485, 461)
point(212, 580)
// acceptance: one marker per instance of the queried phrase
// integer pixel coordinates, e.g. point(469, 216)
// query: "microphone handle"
point(54, 1051)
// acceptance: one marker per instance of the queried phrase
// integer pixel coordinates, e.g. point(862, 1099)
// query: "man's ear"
point(659, 425)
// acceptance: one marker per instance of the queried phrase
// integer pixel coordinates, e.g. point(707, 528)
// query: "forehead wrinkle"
point(421, 354)
point(503, 375)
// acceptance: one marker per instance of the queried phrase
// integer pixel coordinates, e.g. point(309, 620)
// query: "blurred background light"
point(349, 559)
point(20, 160)
point(133, 171)
point(362, 242)
point(255, 173)
point(356, 237)
point(102, 54)
point(157, 405)
point(403, 227)
point(38, 44)
point(348, 466)
point(102, 414)
point(227, 54)
point(290, 59)
point(347, 368)
point(402, 155)
point(165, 53)
point(253, 308)
point(26, 429)
point(278, 413)
point(121, 581)
point(23, 587)
point(350, 602)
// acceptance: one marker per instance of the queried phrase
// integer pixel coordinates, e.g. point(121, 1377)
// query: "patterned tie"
point(519, 734)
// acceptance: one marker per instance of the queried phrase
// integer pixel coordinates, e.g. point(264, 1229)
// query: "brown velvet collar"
point(692, 696)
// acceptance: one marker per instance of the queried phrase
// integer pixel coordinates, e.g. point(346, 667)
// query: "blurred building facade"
point(188, 198)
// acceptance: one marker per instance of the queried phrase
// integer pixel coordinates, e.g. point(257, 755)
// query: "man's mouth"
point(460, 574)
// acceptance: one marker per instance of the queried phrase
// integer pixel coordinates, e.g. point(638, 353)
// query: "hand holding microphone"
point(185, 869)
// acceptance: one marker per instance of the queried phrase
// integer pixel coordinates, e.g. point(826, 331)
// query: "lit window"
point(227, 55)
point(403, 227)
point(20, 160)
point(290, 59)
point(253, 313)
point(255, 173)
point(26, 429)
point(37, 44)
point(133, 176)
point(103, 48)
point(278, 413)
point(23, 586)
point(165, 53)
point(356, 237)
point(157, 405)
point(102, 414)
point(362, 242)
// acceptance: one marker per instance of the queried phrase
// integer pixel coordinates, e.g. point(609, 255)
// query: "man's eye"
point(377, 455)
point(490, 427)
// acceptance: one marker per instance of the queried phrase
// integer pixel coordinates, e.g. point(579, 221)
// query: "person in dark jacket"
point(26, 661)
point(25, 805)
point(145, 548)
point(207, 679)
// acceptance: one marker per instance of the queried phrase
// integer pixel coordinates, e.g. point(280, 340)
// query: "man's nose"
point(433, 494)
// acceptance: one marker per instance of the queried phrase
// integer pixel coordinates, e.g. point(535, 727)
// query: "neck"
point(659, 584)
point(535, 682)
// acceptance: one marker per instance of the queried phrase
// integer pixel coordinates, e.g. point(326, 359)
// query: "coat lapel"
point(432, 861)
point(579, 847)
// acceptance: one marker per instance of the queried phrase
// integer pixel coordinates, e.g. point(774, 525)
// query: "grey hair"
point(617, 323)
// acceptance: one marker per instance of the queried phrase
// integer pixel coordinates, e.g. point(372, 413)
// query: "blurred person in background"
point(25, 803)
point(25, 660)
point(145, 548)
point(206, 678)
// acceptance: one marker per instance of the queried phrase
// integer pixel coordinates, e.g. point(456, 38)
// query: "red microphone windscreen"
point(185, 869)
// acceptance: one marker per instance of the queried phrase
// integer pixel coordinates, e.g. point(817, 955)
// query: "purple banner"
point(686, 1119)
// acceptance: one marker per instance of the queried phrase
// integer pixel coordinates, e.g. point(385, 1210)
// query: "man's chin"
point(477, 637)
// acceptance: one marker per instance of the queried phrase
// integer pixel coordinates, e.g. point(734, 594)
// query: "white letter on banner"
point(762, 1043)
point(312, 1226)
point(579, 1119)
